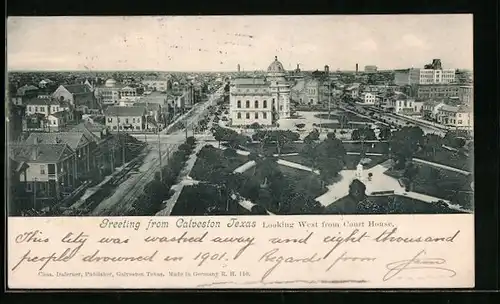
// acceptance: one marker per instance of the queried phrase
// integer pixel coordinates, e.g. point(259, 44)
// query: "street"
point(398, 120)
point(122, 199)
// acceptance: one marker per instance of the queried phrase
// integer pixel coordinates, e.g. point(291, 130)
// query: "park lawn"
point(449, 158)
point(448, 185)
point(377, 147)
point(306, 183)
point(205, 199)
point(229, 164)
point(392, 204)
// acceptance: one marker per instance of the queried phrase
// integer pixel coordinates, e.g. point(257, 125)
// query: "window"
point(274, 102)
point(264, 104)
point(110, 119)
point(118, 120)
point(133, 120)
point(311, 101)
point(248, 104)
point(281, 108)
point(239, 115)
point(36, 109)
point(126, 120)
point(30, 109)
point(137, 127)
point(54, 122)
point(28, 187)
point(42, 169)
point(256, 115)
point(459, 122)
point(264, 115)
point(256, 104)
point(459, 115)
point(114, 127)
point(248, 115)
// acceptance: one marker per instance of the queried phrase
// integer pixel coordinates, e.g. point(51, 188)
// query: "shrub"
point(230, 152)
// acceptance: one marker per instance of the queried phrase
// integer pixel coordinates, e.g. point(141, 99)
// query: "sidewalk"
point(183, 176)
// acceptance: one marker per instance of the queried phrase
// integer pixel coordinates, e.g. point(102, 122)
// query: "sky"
point(220, 43)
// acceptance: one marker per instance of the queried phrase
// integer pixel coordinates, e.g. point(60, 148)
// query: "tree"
point(327, 156)
point(411, 171)
point(454, 139)
point(300, 126)
point(343, 121)
point(404, 143)
point(224, 134)
point(385, 133)
point(253, 156)
point(331, 135)
point(357, 190)
point(355, 135)
point(191, 141)
point(255, 125)
point(230, 152)
point(432, 142)
point(312, 136)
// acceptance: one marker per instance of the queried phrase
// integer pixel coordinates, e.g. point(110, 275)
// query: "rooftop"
point(125, 111)
point(40, 153)
point(249, 81)
point(41, 102)
point(77, 88)
point(72, 139)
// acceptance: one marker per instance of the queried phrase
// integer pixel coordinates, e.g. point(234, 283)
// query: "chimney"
point(356, 67)
point(327, 69)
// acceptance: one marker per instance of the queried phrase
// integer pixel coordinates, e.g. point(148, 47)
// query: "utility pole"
point(159, 155)
point(34, 194)
point(329, 99)
point(186, 126)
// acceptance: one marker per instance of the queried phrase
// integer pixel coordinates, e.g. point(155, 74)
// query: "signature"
point(417, 264)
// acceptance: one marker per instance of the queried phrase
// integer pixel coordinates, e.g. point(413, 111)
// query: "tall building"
point(466, 94)
point(424, 76)
point(260, 100)
point(432, 73)
point(370, 68)
point(239, 68)
point(438, 91)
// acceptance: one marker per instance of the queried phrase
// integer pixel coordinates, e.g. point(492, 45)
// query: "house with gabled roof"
point(79, 142)
point(50, 170)
point(28, 90)
point(125, 118)
point(78, 95)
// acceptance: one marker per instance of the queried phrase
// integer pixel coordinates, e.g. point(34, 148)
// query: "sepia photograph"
point(240, 115)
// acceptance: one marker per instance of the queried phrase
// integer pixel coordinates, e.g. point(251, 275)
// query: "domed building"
point(110, 83)
point(261, 100)
point(113, 93)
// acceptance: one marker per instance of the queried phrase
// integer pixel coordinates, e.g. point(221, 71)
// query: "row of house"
point(460, 117)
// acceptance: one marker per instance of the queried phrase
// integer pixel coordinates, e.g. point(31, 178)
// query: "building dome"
point(275, 66)
point(110, 82)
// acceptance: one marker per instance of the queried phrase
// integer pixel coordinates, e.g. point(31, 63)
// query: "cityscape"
point(245, 139)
